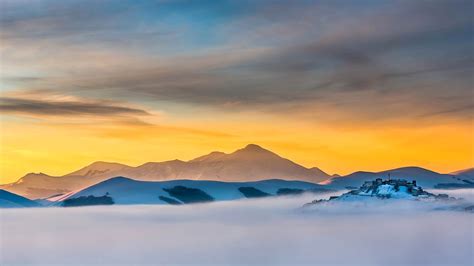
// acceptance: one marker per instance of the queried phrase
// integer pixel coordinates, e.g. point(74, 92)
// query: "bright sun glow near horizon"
point(341, 86)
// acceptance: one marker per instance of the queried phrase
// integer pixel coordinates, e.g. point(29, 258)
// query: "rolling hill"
point(127, 191)
point(10, 200)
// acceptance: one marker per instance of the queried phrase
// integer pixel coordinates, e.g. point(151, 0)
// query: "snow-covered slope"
point(127, 191)
point(10, 200)
point(423, 177)
point(99, 169)
point(250, 163)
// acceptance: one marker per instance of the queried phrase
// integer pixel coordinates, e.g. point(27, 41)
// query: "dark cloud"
point(65, 108)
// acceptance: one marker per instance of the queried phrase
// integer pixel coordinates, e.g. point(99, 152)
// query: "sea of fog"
point(274, 231)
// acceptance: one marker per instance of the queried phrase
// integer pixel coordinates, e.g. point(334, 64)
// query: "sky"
point(341, 85)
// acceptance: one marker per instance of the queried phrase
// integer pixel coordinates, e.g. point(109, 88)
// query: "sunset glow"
point(364, 86)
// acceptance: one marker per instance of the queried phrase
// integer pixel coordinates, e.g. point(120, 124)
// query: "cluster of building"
point(386, 189)
point(410, 187)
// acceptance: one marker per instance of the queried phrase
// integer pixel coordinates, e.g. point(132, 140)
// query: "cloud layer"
point(258, 232)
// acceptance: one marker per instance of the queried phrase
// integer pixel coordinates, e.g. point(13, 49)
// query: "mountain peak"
point(27, 177)
point(36, 174)
point(252, 151)
point(117, 179)
point(248, 152)
point(409, 169)
point(31, 176)
point(98, 168)
point(102, 164)
point(253, 147)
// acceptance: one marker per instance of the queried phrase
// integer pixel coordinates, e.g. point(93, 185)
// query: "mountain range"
point(251, 163)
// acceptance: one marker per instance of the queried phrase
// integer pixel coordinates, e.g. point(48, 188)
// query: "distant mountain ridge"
point(469, 173)
point(251, 163)
point(423, 177)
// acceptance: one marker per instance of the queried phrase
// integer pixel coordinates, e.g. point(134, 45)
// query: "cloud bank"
point(64, 108)
point(249, 232)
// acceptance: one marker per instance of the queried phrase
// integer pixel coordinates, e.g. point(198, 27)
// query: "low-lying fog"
point(249, 232)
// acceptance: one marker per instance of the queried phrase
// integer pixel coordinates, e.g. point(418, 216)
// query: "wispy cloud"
point(61, 108)
point(320, 57)
point(64, 108)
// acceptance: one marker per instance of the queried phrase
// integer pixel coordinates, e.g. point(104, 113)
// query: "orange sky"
point(57, 148)
point(340, 85)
